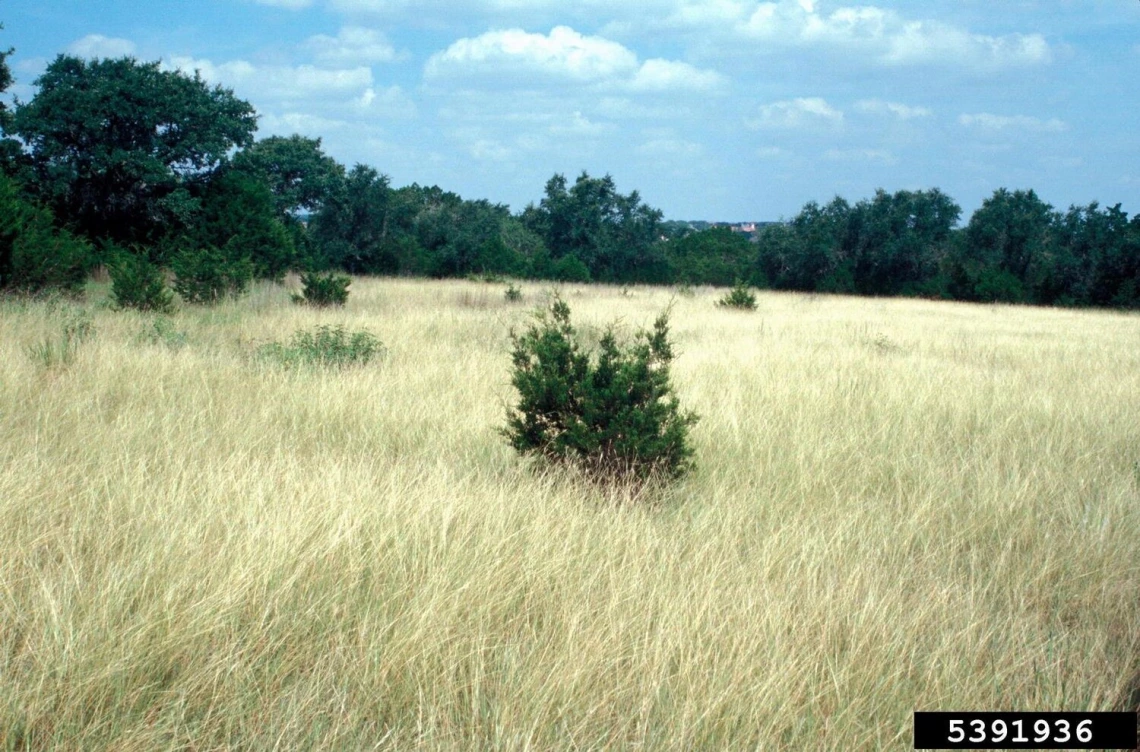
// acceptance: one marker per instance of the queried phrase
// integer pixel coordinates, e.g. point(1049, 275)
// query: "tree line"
point(116, 158)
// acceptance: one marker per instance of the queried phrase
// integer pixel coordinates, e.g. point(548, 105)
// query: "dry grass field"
point(898, 505)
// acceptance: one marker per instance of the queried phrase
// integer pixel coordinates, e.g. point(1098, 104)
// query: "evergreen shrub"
point(324, 289)
point(740, 297)
point(137, 283)
point(614, 416)
point(210, 274)
point(36, 255)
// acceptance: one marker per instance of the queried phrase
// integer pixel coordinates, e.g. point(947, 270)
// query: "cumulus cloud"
point(304, 123)
point(97, 45)
point(988, 122)
point(895, 109)
point(563, 53)
point(352, 45)
point(888, 37)
point(567, 55)
point(669, 75)
point(803, 113)
point(302, 82)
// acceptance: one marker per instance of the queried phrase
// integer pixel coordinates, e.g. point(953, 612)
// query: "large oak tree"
point(121, 148)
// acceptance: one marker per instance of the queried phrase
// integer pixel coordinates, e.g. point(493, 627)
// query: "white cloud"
point(352, 45)
point(989, 122)
point(901, 111)
point(579, 125)
point(389, 101)
point(304, 123)
point(288, 83)
point(670, 75)
point(889, 38)
point(97, 45)
point(565, 55)
point(804, 113)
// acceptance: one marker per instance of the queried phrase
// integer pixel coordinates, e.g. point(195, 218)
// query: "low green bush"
point(740, 297)
point(137, 283)
point(208, 275)
point(324, 346)
point(614, 416)
point(513, 294)
point(323, 289)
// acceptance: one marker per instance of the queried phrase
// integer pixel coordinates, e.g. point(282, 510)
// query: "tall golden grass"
point(898, 505)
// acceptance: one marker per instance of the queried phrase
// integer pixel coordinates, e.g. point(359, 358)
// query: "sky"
point(719, 110)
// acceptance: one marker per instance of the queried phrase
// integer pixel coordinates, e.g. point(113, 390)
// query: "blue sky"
point(712, 109)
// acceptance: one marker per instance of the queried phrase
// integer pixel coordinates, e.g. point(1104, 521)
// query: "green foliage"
point(61, 349)
point(208, 275)
point(740, 297)
point(325, 346)
point(613, 235)
point(300, 176)
point(139, 284)
point(459, 237)
point(614, 416)
point(117, 146)
point(892, 244)
point(513, 294)
point(5, 82)
point(35, 254)
point(1007, 240)
point(360, 224)
point(324, 289)
point(717, 256)
point(238, 214)
point(570, 269)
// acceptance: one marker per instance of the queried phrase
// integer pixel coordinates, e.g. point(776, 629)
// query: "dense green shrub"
point(209, 274)
point(137, 283)
point(740, 297)
point(614, 416)
point(238, 216)
point(325, 346)
point(323, 289)
point(513, 294)
point(570, 269)
point(35, 254)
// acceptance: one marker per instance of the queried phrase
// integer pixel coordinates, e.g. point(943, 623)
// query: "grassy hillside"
point(898, 505)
